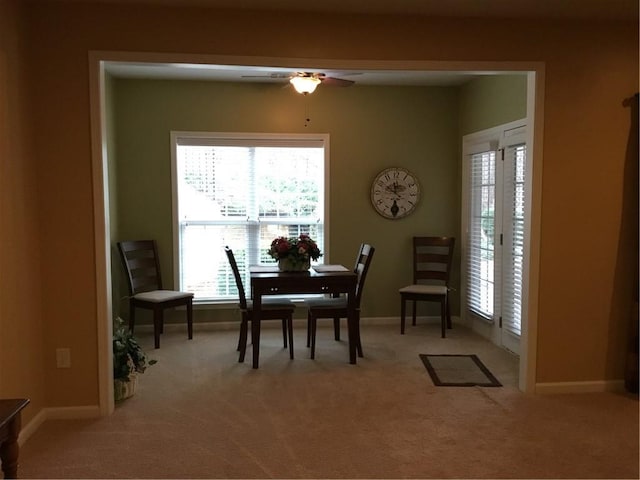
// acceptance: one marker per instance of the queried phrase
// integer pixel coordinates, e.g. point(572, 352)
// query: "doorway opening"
point(100, 147)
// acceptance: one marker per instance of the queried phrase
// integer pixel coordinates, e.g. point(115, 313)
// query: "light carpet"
point(200, 414)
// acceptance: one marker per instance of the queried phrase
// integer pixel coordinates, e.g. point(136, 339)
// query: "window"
point(242, 190)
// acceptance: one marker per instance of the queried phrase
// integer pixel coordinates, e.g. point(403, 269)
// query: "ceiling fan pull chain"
point(307, 117)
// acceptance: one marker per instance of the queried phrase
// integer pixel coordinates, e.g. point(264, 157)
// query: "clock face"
point(395, 192)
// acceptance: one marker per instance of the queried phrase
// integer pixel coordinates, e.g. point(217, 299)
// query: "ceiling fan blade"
point(337, 82)
point(271, 75)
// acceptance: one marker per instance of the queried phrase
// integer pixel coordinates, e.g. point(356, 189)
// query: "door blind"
point(513, 249)
point(481, 236)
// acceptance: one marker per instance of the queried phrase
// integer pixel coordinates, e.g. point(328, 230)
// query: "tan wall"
point(590, 69)
point(21, 325)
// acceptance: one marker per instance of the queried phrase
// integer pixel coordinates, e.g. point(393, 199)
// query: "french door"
point(494, 235)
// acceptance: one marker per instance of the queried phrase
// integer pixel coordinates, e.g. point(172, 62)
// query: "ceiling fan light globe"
point(305, 85)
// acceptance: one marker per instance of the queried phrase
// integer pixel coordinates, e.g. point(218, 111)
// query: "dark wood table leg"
point(10, 423)
point(9, 449)
point(352, 325)
point(255, 328)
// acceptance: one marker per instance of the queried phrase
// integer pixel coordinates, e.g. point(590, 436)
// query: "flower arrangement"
point(294, 253)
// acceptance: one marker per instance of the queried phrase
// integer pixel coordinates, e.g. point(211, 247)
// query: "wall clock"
point(395, 192)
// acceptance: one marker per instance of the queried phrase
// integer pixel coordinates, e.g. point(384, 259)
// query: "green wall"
point(370, 128)
point(492, 100)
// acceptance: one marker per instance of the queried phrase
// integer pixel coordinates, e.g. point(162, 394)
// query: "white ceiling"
point(263, 74)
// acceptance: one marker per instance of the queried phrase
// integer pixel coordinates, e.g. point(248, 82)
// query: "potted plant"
point(294, 254)
point(128, 361)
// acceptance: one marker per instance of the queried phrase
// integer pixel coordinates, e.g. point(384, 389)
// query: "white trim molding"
point(97, 60)
point(57, 413)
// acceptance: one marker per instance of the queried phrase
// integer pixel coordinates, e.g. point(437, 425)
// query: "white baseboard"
point(57, 413)
point(197, 326)
point(396, 320)
point(233, 325)
point(596, 386)
point(67, 413)
point(31, 427)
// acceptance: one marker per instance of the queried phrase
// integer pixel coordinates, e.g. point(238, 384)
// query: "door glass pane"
point(481, 238)
point(515, 158)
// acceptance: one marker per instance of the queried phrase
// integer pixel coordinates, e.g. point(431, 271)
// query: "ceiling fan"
point(306, 82)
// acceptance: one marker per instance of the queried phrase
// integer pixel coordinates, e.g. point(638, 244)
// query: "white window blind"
point(242, 191)
point(481, 234)
point(513, 248)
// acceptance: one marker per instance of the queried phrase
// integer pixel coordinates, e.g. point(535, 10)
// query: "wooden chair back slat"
point(432, 258)
point(140, 258)
point(431, 275)
point(363, 261)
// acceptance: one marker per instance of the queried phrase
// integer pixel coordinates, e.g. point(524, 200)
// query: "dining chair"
point(272, 309)
point(336, 308)
point(141, 262)
point(432, 258)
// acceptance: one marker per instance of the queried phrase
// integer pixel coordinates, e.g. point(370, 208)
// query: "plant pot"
point(123, 389)
point(292, 265)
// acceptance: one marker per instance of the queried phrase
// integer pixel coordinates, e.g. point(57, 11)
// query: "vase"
point(123, 389)
point(288, 264)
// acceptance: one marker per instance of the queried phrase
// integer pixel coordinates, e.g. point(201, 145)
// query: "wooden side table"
point(9, 430)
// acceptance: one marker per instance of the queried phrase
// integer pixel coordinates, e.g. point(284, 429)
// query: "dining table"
point(319, 279)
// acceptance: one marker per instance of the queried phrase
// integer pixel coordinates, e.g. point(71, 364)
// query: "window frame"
point(237, 138)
